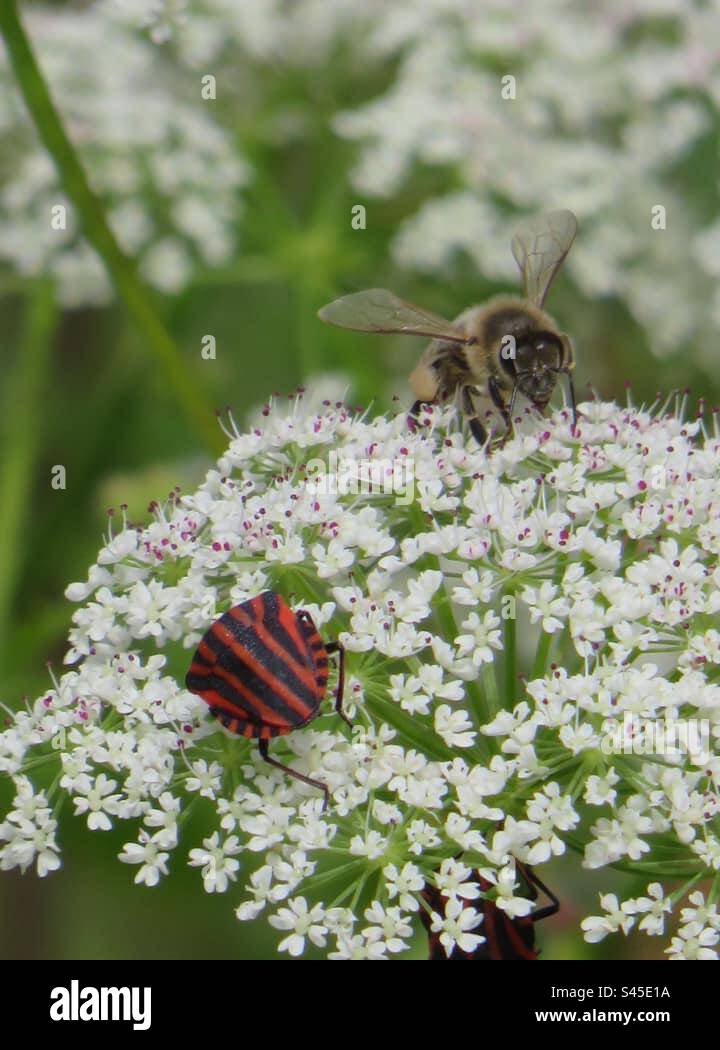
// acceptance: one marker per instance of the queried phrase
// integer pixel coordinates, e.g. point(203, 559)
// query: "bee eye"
point(547, 350)
point(543, 345)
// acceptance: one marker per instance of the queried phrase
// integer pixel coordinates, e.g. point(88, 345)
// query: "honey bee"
point(502, 348)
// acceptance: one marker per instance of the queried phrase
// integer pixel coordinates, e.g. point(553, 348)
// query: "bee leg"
point(263, 746)
point(496, 398)
point(477, 430)
point(573, 403)
point(414, 412)
point(505, 409)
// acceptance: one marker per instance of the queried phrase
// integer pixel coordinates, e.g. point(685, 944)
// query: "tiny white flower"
point(454, 879)
point(149, 854)
point(705, 914)
point(217, 860)
point(456, 927)
point(617, 917)
point(653, 908)
point(98, 799)
point(395, 927)
point(372, 845)
point(505, 881)
point(165, 818)
point(484, 636)
point(694, 942)
point(404, 884)
point(206, 779)
point(454, 727)
point(303, 923)
point(600, 791)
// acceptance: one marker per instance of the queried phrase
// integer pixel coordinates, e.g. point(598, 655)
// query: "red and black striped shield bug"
point(505, 937)
point(263, 671)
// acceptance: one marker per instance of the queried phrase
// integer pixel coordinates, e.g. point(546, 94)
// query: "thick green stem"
point(22, 407)
point(542, 653)
point(137, 298)
point(490, 686)
point(546, 640)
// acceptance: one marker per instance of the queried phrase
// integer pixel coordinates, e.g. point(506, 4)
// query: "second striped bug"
point(505, 938)
point(263, 671)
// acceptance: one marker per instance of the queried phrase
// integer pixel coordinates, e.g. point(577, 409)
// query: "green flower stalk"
point(120, 268)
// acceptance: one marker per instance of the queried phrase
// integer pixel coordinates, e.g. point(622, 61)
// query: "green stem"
point(492, 695)
point(546, 640)
point(542, 653)
point(356, 884)
point(510, 657)
point(323, 878)
point(578, 781)
point(415, 732)
point(685, 888)
point(121, 269)
point(21, 427)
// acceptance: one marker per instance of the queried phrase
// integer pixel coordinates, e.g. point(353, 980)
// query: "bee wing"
point(378, 310)
point(539, 247)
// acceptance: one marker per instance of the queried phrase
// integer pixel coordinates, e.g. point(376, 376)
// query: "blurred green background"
point(80, 389)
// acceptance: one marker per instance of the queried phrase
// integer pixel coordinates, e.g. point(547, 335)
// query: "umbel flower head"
point(512, 620)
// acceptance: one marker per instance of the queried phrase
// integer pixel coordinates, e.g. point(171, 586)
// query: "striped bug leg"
point(335, 647)
point(263, 747)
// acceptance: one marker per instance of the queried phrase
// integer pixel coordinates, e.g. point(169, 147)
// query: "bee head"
point(537, 363)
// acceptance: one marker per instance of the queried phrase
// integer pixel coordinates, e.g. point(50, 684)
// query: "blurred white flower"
point(604, 115)
point(168, 174)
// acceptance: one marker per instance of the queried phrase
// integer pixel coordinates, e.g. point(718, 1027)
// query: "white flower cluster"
point(169, 176)
point(298, 33)
point(612, 101)
point(161, 18)
point(587, 560)
point(697, 935)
